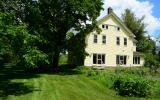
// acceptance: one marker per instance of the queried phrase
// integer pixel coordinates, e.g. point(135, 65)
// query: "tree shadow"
point(68, 70)
point(64, 69)
point(7, 87)
point(9, 73)
point(10, 88)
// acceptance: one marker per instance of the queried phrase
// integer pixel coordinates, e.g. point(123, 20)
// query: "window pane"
point(99, 61)
point(103, 26)
point(106, 26)
point(117, 59)
point(118, 41)
point(103, 59)
point(99, 56)
point(121, 57)
point(135, 60)
point(95, 39)
point(94, 58)
point(125, 57)
point(138, 60)
point(125, 41)
point(118, 28)
point(104, 39)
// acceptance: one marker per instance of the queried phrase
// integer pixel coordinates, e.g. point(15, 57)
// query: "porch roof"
point(137, 54)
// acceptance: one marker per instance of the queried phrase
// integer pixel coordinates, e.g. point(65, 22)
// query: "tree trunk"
point(55, 59)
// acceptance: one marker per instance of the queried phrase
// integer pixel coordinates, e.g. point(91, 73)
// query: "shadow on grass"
point(7, 74)
point(68, 70)
point(7, 87)
point(61, 70)
point(10, 88)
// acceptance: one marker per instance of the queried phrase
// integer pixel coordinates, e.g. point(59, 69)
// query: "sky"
point(148, 8)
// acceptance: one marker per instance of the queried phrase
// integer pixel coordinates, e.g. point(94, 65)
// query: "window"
point(104, 39)
point(125, 41)
point(104, 26)
point(118, 28)
point(121, 59)
point(95, 40)
point(136, 60)
point(98, 58)
point(118, 41)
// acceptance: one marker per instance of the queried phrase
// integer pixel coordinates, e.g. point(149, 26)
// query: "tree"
point(137, 27)
point(16, 42)
point(52, 19)
point(46, 23)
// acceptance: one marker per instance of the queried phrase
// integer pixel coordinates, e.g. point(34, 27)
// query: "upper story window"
point(118, 40)
point(95, 39)
point(125, 41)
point(104, 26)
point(117, 28)
point(104, 39)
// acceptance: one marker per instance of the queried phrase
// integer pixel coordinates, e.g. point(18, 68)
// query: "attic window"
point(118, 28)
point(104, 26)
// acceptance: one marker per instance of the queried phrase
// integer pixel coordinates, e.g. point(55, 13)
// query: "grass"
point(70, 85)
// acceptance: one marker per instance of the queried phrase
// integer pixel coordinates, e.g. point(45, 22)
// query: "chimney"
point(110, 10)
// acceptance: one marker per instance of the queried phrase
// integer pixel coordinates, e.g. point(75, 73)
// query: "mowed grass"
point(69, 85)
point(66, 87)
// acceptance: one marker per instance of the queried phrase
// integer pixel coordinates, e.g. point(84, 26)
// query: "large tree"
point(137, 26)
point(52, 19)
point(15, 42)
point(47, 22)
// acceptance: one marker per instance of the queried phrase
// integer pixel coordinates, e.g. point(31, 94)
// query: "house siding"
point(110, 49)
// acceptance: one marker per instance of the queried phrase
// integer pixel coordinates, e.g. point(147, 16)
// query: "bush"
point(152, 62)
point(130, 85)
point(103, 76)
point(139, 71)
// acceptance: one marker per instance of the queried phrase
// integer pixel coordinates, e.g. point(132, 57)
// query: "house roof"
point(137, 54)
point(118, 20)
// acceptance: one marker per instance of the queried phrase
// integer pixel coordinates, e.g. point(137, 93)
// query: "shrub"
point(130, 85)
point(140, 71)
point(92, 72)
point(103, 76)
point(152, 62)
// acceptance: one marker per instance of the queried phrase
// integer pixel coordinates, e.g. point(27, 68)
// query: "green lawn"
point(17, 86)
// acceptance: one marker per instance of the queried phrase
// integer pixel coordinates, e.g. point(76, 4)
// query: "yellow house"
point(114, 46)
